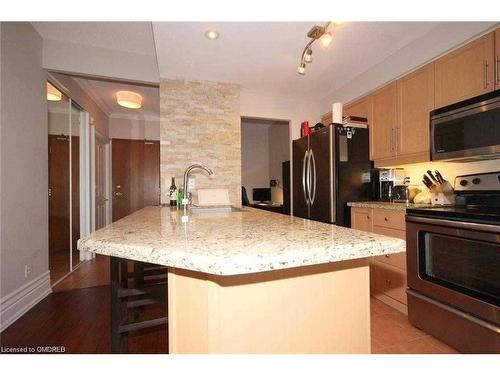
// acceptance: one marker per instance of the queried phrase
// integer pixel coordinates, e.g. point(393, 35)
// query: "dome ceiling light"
point(53, 94)
point(212, 35)
point(129, 99)
point(325, 38)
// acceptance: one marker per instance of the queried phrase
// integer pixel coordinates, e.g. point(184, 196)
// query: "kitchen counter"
point(233, 243)
point(254, 281)
point(387, 205)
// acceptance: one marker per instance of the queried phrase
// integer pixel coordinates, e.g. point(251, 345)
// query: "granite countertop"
point(388, 205)
point(233, 243)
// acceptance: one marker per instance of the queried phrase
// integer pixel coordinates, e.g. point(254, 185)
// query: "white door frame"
point(94, 135)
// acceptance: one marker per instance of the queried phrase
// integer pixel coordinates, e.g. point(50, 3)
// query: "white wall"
point(101, 62)
point(279, 150)
point(254, 156)
point(128, 128)
point(24, 175)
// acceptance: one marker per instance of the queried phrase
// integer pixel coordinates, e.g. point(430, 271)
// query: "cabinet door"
point(383, 122)
point(497, 59)
point(416, 100)
point(361, 218)
point(359, 108)
point(466, 72)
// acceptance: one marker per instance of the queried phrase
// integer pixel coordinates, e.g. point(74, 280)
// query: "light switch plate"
point(191, 183)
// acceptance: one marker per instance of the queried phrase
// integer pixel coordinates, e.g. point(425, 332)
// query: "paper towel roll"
point(337, 113)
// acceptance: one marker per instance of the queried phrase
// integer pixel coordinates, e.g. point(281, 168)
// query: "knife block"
point(443, 195)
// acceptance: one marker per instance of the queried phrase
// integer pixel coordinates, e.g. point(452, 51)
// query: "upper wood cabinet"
point(360, 108)
point(465, 72)
point(383, 122)
point(497, 59)
point(416, 100)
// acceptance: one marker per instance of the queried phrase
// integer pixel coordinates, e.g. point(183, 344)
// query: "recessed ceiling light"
point(212, 34)
point(129, 99)
point(53, 94)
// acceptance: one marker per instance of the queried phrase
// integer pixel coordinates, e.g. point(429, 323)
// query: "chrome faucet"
point(186, 199)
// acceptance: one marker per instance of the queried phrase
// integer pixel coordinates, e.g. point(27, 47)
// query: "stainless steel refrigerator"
point(327, 173)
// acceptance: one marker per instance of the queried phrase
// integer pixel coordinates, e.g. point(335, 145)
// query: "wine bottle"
point(173, 193)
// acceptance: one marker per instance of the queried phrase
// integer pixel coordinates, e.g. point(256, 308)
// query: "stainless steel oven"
point(453, 267)
point(468, 130)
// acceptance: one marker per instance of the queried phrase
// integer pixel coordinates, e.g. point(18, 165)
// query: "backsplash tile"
point(200, 123)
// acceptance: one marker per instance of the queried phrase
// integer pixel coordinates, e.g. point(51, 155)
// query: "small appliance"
point(389, 178)
point(468, 130)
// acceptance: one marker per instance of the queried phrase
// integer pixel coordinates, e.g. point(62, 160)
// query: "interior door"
point(321, 171)
point(151, 173)
point(300, 153)
point(135, 175)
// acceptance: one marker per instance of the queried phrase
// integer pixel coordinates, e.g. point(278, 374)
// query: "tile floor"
point(393, 334)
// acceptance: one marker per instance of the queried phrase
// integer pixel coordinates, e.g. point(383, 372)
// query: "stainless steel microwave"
point(468, 130)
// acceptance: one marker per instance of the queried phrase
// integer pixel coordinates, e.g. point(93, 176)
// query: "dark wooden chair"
point(135, 287)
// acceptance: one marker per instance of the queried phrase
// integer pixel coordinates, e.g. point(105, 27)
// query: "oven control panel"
point(478, 182)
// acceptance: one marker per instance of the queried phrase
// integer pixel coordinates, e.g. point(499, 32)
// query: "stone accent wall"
point(200, 123)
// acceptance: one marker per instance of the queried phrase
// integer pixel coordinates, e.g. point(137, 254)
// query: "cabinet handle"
point(497, 73)
point(485, 69)
point(392, 139)
point(368, 217)
point(386, 219)
point(396, 140)
point(387, 256)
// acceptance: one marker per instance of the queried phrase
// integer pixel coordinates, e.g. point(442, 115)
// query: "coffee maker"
point(371, 184)
point(389, 180)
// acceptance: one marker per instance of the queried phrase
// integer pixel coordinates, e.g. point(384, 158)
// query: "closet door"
point(75, 182)
point(59, 188)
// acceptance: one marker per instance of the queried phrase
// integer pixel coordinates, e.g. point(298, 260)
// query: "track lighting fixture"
point(325, 38)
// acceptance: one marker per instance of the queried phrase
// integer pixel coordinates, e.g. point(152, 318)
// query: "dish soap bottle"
point(173, 193)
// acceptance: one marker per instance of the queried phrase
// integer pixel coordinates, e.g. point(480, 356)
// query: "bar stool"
point(135, 285)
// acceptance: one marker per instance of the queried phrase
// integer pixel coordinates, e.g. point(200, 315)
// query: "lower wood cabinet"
point(387, 272)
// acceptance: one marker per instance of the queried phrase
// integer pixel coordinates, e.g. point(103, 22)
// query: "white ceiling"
point(135, 37)
point(265, 55)
point(104, 94)
point(260, 56)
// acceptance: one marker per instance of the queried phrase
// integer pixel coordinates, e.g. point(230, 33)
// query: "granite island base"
point(254, 281)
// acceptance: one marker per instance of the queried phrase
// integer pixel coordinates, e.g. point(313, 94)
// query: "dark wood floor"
point(77, 316)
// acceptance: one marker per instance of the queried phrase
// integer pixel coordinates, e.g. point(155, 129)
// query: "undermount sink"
point(214, 210)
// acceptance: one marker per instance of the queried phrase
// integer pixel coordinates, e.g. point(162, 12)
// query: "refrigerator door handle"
point(308, 177)
point(313, 177)
point(304, 171)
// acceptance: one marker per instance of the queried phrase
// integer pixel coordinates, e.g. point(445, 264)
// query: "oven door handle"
point(454, 224)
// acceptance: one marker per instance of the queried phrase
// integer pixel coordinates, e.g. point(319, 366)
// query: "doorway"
point(265, 164)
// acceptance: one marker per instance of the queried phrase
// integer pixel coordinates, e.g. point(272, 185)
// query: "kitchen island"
point(252, 281)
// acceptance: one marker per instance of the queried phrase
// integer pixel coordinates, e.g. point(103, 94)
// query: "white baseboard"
point(16, 304)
